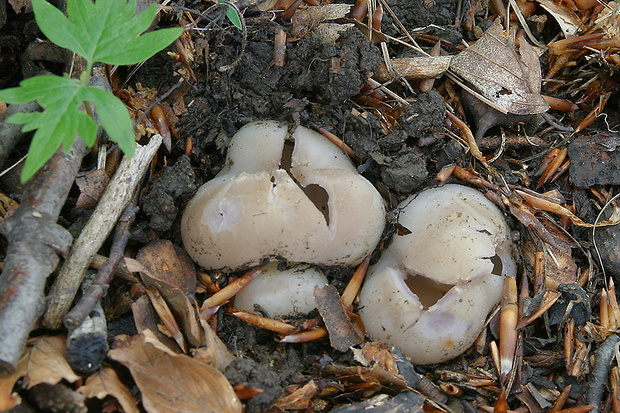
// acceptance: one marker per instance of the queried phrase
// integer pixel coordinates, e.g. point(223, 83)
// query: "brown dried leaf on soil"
point(174, 382)
point(377, 352)
point(91, 184)
point(299, 399)
point(7, 206)
point(105, 383)
point(168, 267)
point(608, 20)
point(304, 21)
point(44, 362)
point(508, 81)
point(559, 265)
point(566, 18)
point(8, 399)
point(146, 319)
point(170, 326)
point(171, 272)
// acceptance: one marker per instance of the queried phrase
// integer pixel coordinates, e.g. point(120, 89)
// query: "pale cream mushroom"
point(432, 290)
point(281, 292)
point(284, 192)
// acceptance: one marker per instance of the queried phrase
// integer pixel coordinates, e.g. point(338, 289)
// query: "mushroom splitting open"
point(433, 288)
point(287, 193)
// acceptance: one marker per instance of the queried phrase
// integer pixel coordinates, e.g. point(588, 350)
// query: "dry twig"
point(113, 201)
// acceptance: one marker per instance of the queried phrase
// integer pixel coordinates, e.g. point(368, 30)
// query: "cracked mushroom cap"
point(286, 193)
point(432, 290)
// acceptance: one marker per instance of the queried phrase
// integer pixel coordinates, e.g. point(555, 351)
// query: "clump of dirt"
point(246, 372)
point(401, 159)
point(419, 14)
point(177, 182)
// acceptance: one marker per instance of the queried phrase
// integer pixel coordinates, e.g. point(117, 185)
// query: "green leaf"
point(62, 118)
point(60, 121)
point(105, 31)
point(113, 117)
point(232, 15)
point(234, 18)
point(56, 26)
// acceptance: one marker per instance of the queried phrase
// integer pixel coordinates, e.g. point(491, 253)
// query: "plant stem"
point(85, 80)
point(85, 76)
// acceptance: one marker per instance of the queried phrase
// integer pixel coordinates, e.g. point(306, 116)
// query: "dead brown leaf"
point(168, 266)
point(494, 72)
point(304, 21)
point(8, 399)
point(376, 374)
point(44, 362)
point(608, 20)
point(91, 184)
point(105, 383)
point(566, 18)
point(174, 382)
point(145, 318)
point(559, 265)
point(379, 352)
point(299, 399)
point(222, 356)
point(171, 272)
point(178, 106)
point(171, 327)
point(7, 206)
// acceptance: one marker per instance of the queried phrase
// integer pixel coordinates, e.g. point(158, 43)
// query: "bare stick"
point(87, 341)
point(34, 241)
point(113, 201)
point(10, 133)
point(414, 68)
point(100, 284)
point(603, 358)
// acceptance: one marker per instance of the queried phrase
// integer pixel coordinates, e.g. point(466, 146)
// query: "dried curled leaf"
point(304, 21)
point(168, 270)
point(174, 382)
point(8, 398)
point(105, 383)
point(44, 362)
point(504, 79)
point(566, 18)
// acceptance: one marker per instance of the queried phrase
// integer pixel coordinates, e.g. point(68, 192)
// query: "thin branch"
point(116, 197)
point(603, 358)
point(34, 241)
point(101, 283)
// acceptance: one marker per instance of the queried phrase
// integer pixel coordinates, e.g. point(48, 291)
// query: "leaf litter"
point(177, 358)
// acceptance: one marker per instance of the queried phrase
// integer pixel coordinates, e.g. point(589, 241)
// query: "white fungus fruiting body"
point(283, 193)
point(433, 288)
point(281, 293)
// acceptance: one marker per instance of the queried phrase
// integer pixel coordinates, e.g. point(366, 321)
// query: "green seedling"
point(232, 15)
point(106, 31)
